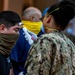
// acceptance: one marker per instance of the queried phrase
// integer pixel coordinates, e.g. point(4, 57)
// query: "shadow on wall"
point(25, 6)
point(42, 4)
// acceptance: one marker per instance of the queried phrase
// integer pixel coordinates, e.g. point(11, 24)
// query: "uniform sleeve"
point(40, 57)
point(73, 66)
point(73, 57)
point(73, 60)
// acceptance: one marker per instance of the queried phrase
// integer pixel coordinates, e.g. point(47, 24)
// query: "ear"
point(49, 18)
point(32, 18)
point(2, 27)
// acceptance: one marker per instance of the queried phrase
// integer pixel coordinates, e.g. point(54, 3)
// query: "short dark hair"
point(62, 12)
point(9, 18)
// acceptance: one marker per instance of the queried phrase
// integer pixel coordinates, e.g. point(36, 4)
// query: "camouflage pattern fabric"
point(51, 54)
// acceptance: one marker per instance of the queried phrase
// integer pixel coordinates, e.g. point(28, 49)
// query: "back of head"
point(9, 18)
point(30, 11)
point(62, 12)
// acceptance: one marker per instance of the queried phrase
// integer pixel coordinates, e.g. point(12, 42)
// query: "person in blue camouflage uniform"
point(53, 53)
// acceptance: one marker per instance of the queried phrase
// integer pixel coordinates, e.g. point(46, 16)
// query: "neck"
point(50, 29)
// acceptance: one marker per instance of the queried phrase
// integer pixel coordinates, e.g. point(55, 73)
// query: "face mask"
point(49, 29)
point(7, 41)
point(34, 27)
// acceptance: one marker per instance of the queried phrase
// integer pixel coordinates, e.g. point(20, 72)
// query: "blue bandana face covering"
point(69, 30)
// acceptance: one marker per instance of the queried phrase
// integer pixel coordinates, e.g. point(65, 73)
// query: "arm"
point(73, 60)
point(39, 60)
